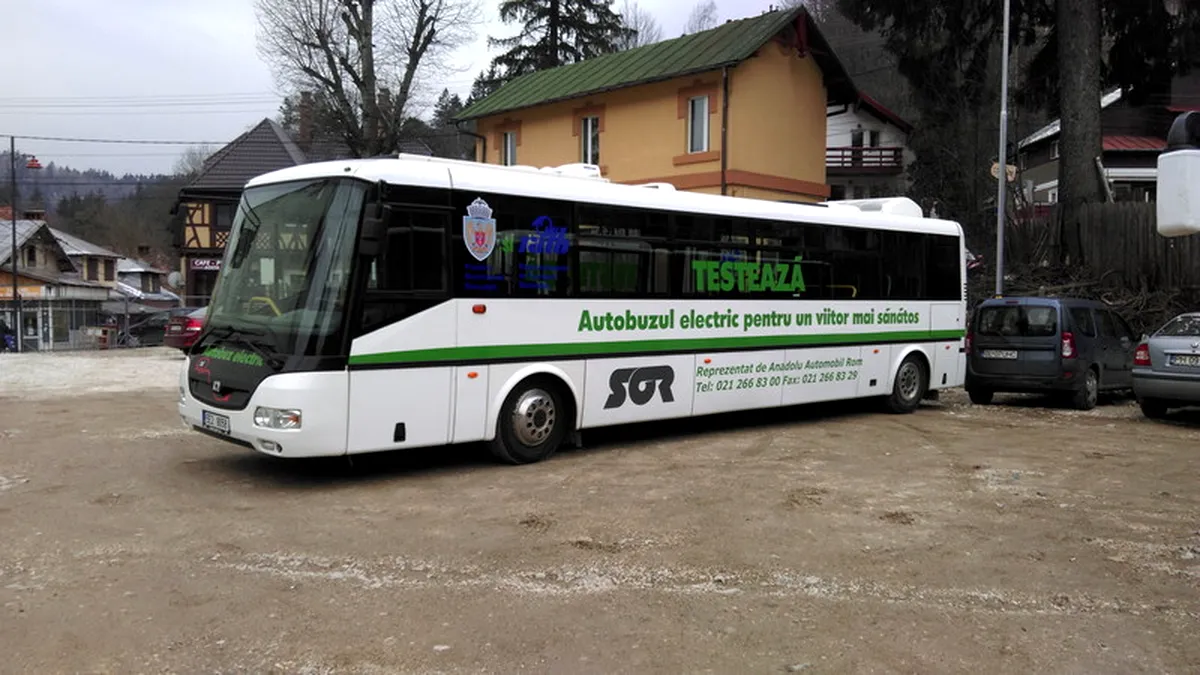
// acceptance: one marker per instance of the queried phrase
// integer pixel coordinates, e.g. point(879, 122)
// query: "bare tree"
point(703, 17)
point(362, 58)
point(820, 9)
point(192, 160)
point(645, 28)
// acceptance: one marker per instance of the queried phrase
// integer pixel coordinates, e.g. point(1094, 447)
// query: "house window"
point(1052, 196)
point(508, 148)
point(93, 269)
point(1054, 150)
point(110, 270)
point(31, 257)
point(698, 124)
point(590, 134)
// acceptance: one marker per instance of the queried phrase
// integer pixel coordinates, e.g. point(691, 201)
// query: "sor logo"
point(639, 385)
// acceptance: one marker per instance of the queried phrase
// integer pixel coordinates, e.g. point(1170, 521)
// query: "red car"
point(183, 330)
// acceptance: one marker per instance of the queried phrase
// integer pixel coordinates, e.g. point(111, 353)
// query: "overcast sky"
point(177, 70)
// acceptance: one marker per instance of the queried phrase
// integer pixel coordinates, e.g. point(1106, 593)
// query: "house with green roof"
point(739, 110)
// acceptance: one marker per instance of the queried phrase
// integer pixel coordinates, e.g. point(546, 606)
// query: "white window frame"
point(589, 132)
point(1054, 150)
point(508, 148)
point(1052, 196)
point(692, 121)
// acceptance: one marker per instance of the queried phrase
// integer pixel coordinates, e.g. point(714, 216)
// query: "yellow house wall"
point(777, 115)
point(641, 135)
point(776, 136)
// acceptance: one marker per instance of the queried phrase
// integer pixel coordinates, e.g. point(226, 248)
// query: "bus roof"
point(579, 182)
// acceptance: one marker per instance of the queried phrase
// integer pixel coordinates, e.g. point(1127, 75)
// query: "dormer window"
point(31, 257)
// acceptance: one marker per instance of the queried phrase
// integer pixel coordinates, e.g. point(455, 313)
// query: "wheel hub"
point(910, 381)
point(533, 417)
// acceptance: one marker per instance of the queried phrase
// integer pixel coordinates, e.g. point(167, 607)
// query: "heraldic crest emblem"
point(479, 229)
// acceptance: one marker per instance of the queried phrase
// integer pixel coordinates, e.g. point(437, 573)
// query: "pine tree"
point(486, 82)
point(556, 32)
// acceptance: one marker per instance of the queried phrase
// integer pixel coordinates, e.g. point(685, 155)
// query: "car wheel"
point(1153, 408)
point(532, 423)
point(980, 396)
point(1088, 393)
point(909, 386)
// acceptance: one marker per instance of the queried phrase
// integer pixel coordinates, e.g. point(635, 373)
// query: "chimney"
point(305, 132)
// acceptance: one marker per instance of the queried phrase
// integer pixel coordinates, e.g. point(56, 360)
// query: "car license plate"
point(173, 329)
point(215, 422)
point(1190, 360)
point(999, 353)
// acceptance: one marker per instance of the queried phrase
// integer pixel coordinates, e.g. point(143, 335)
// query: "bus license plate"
point(1189, 360)
point(1000, 354)
point(215, 422)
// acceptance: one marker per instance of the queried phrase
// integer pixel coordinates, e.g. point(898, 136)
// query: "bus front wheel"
point(532, 423)
point(910, 385)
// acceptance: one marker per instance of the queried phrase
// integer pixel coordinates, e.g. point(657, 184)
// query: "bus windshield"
point(284, 280)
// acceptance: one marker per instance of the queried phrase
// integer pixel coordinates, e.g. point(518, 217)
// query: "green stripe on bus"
point(575, 349)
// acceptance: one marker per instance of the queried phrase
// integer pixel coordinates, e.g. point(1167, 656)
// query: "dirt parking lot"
point(1009, 538)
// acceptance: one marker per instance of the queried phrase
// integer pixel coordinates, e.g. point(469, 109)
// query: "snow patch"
point(51, 375)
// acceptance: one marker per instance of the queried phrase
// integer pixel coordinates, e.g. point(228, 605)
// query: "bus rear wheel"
point(532, 423)
point(910, 385)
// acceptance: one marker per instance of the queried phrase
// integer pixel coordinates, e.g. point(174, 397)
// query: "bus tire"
point(532, 423)
point(912, 380)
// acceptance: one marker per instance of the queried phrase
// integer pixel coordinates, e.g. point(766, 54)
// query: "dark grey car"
point(1166, 367)
point(1068, 346)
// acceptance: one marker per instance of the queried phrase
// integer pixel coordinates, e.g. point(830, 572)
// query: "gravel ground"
point(1016, 537)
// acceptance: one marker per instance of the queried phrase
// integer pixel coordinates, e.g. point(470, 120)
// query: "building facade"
point(1133, 135)
point(204, 213)
point(57, 305)
point(866, 151)
point(738, 110)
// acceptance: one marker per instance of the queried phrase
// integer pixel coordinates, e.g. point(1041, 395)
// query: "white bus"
point(380, 304)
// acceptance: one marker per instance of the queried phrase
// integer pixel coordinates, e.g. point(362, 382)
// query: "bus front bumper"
point(318, 398)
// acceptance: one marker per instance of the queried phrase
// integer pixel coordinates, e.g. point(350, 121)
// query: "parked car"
point(183, 330)
point(1072, 347)
point(149, 330)
point(1166, 367)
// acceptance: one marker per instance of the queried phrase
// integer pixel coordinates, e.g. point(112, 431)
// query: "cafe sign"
point(206, 264)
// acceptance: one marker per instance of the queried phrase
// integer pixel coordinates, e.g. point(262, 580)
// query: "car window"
point(1123, 325)
point(1018, 321)
point(1181, 326)
point(1108, 326)
point(1085, 324)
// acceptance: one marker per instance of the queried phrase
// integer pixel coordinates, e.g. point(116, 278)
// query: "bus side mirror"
point(374, 230)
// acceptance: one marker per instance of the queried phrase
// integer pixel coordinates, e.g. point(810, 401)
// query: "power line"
point(244, 142)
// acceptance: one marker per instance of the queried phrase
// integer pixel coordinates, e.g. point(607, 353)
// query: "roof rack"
point(899, 206)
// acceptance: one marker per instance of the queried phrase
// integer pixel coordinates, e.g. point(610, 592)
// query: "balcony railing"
point(858, 159)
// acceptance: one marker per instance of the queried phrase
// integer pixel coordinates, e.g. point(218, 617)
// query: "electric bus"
point(381, 304)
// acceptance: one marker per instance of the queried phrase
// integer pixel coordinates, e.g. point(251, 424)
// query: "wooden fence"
point(1116, 241)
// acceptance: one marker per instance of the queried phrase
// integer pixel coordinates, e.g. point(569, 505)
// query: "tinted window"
point(1018, 321)
point(1108, 327)
point(1082, 318)
point(598, 251)
point(1181, 326)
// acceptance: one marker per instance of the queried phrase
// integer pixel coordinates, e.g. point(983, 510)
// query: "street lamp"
point(33, 163)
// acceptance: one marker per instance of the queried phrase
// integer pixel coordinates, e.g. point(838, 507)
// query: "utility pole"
point(1002, 173)
point(12, 263)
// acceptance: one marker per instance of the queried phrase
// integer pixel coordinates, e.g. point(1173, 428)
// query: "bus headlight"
point(275, 418)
